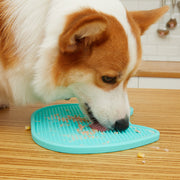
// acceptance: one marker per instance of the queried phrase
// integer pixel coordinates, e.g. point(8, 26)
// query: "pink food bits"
point(97, 126)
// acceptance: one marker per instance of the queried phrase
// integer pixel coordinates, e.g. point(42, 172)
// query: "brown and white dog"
point(57, 49)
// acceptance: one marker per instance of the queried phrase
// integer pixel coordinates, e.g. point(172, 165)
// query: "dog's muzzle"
point(119, 125)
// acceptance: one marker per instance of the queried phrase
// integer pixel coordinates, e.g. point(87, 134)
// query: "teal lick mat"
point(64, 128)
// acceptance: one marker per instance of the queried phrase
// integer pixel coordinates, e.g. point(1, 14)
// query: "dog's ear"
point(146, 18)
point(83, 33)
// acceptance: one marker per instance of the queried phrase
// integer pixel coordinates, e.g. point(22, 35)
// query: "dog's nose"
point(122, 124)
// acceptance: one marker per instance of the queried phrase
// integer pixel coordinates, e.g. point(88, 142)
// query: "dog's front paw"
point(4, 106)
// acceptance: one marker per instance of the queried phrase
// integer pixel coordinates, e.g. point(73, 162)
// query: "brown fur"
point(8, 56)
point(146, 18)
point(99, 57)
point(136, 32)
point(140, 22)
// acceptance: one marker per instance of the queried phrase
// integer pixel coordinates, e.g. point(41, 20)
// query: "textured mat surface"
point(64, 128)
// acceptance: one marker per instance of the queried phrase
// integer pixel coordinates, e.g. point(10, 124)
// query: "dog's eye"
point(109, 80)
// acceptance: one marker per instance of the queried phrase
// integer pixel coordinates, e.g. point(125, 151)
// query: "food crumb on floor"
point(27, 128)
point(155, 147)
point(140, 155)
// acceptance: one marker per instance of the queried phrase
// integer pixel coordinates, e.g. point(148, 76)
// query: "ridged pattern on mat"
point(64, 128)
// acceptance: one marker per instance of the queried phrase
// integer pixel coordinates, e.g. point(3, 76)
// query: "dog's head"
point(95, 56)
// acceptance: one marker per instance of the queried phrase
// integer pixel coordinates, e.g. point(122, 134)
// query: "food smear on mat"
point(94, 126)
point(97, 126)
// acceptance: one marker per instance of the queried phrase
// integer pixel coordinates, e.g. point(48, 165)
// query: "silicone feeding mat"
point(64, 128)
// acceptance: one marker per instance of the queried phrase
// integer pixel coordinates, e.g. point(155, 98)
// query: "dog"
point(58, 49)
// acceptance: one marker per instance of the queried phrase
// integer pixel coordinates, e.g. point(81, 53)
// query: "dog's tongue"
point(95, 125)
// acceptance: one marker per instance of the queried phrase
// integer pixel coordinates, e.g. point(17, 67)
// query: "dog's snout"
point(122, 124)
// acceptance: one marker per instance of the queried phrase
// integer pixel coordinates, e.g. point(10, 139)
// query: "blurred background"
point(160, 45)
point(154, 47)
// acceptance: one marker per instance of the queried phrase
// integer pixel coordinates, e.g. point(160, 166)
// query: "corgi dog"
point(58, 49)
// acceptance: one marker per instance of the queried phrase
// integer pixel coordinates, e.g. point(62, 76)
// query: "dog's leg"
point(4, 106)
point(4, 95)
point(4, 102)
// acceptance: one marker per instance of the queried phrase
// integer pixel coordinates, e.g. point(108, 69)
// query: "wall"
point(154, 83)
point(154, 47)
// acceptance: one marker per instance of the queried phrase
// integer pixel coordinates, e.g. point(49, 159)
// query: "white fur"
point(29, 16)
point(38, 25)
point(107, 106)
